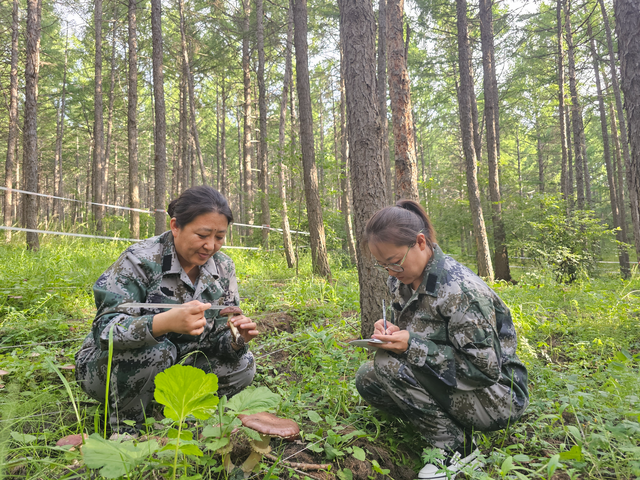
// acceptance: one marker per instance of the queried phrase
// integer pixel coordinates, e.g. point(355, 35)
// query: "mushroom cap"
point(3, 372)
point(268, 424)
point(68, 367)
point(74, 440)
point(228, 311)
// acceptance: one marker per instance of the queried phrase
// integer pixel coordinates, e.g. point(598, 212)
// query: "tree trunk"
point(183, 163)
point(247, 147)
point(491, 111)
point(632, 174)
point(263, 164)
point(382, 94)
point(627, 14)
point(567, 118)
point(107, 148)
point(619, 171)
point(401, 115)
point(357, 31)
point(314, 208)
point(485, 267)
point(58, 208)
point(30, 130)
point(12, 143)
point(576, 112)
point(282, 189)
point(520, 191)
point(132, 121)
point(98, 122)
point(563, 135)
point(540, 157)
point(224, 188)
point(160, 145)
point(345, 184)
point(623, 254)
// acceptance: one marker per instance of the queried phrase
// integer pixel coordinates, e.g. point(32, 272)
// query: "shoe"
point(450, 465)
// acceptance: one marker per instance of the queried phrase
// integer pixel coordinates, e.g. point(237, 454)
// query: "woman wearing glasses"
point(449, 364)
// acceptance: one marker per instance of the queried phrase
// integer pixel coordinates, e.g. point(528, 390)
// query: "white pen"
point(384, 316)
point(165, 305)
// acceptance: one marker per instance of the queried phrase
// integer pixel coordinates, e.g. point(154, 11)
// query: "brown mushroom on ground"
point(68, 367)
point(73, 440)
point(232, 312)
point(268, 426)
point(3, 372)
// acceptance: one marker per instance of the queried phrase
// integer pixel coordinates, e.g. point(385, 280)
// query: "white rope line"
point(268, 227)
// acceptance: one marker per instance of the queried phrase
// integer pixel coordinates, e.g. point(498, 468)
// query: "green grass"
point(581, 344)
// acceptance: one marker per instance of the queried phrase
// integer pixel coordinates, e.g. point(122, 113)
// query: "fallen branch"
point(301, 466)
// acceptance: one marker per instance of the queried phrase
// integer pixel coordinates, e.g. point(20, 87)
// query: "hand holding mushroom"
point(243, 329)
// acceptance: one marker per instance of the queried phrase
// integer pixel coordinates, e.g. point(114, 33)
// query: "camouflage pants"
point(389, 384)
point(133, 372)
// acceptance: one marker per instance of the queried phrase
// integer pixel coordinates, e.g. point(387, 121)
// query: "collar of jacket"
point(171, 264)
point(432, 276)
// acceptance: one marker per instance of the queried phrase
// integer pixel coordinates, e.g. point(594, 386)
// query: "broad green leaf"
point(575, 432)
point(23, 437)
point(252, 434)
point(314, 417)
point(506, 466)
point(521, 458)
point(345, 474)
point(376, 466)
point(184, 435)
point(359, 454)
point(217, 443)
point(115, 459)
point(574, 454)
point(186, 390)
point(190, 449)
point(254, 400)
point(553, 465)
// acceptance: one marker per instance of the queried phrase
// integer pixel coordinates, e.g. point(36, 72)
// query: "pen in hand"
point(384, 316)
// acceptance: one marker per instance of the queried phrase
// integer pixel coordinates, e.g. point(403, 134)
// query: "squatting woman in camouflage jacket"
point(449, 364)
point(183, 265)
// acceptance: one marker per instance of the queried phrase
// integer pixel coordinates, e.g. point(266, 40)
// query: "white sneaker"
point(449, 466)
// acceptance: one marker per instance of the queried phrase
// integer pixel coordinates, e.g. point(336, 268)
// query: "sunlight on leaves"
point(185, 390)
point(254, 400)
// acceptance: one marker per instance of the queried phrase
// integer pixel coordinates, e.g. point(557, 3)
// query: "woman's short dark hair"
point(400, 225)
point(197, 201)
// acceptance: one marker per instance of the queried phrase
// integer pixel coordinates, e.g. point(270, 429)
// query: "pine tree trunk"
point(30, 130)
point(247, 148)
point(132, 121)
point(263, 164)
point(160, 144)
point(485, 267)
point(623, 254)
point(282, 189)
point(107, 149)
point(401, 116)
point(627, 14)
point(12, 142)
point(58, 208)
point(357, 31)
point(576, 112)
point(619, 171)
point(224, 188)
point(382, 94)
point(540, 157)
point(491, 110)
point(567, 118)
point(314, 208)
point(563, 135)
point(98, 123)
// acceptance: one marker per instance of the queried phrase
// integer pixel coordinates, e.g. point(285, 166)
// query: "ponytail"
point(400, 225)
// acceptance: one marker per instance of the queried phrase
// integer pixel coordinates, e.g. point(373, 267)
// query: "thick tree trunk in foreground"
point(132, 120)
point(12, 142)
point(485, 268)
point(564, 178)
point(357, 29)
point(263, 164)
point(160, 147)
point(282, 184)
point(30, 130)
point(623, 254)
point(627, 14)
point(401, 114)
point(382, 93)
point(247, 148)
point(632, 173)
point(491, 110)
point(314, 207)
point(98, 122)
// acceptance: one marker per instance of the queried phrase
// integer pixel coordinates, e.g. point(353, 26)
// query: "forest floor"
point(580, 342)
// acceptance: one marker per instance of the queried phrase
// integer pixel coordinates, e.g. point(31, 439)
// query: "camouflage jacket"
point(461, 332)
point(150, 272)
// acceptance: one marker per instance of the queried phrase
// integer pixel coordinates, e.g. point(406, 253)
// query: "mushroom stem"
point(227, 463)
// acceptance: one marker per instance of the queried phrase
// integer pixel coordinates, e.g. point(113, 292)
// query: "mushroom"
point(268, 426)
point(68, 367)
point(232, 312)
point(3, 372)
point(73, 440)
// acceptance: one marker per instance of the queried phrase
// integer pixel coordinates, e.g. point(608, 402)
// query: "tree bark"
point(540, 157)
point(623, 254)
point(314, 209)
point(30, 130)
point(567, 118)
point(627, 14)
point(224, 184)
point(619, 171)
point(282, 186)
point(485, 267)
point(263, 164)
point(382, 94)
point(357, 31)
point(112, 71)
point(98, 122)
point(491, 111)
point(247, 148)
point(160, 145)
point(563, 135)
point(576, 112)
point(132, 120)
point(58, 207)
point(632, 175)
point(12, 141)
point(401, 116)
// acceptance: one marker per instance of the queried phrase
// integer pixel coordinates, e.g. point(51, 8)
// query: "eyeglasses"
point(394, 267)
